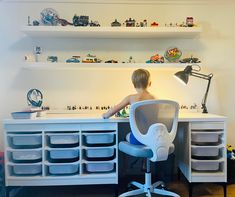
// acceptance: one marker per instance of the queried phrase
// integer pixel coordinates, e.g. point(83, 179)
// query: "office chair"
point(154, 124)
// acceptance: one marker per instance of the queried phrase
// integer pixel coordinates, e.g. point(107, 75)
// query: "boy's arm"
point(116, 108)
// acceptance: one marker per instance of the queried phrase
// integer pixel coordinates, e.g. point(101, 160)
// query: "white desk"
point(44, 136)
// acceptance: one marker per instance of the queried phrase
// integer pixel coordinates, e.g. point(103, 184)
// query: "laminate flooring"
point(180, 187)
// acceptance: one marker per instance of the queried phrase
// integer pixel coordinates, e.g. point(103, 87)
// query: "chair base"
point(148, 189)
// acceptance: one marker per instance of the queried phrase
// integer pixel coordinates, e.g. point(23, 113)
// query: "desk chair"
point(154, 124)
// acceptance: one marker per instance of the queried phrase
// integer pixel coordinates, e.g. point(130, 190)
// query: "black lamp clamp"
point(190, 71)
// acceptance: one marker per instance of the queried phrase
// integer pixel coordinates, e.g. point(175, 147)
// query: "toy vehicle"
point(111, 61)
point(115, 23)
point(156, 59)
point(91, 59)
point(80, 20)
point(130, 22)
point(52, 58)
point(190, 60)
point(154, 24)
point(73, 59)
point(94, 24)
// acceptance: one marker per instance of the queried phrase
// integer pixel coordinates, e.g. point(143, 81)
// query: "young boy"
point(141, 81)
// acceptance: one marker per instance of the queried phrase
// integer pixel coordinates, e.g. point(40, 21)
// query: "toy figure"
point(230, 152)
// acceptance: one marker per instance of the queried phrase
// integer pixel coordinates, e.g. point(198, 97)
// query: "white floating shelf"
point(112, 32)
point(99, 66)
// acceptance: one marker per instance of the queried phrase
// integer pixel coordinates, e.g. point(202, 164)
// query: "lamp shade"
point(183, 76)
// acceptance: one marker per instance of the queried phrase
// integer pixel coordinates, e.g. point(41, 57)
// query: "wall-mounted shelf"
point(112, 32)
point(100, 66)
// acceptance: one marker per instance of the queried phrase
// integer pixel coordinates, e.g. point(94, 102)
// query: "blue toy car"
point(73, 59)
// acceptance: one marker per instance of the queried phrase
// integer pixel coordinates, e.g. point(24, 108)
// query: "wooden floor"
point(180, 187)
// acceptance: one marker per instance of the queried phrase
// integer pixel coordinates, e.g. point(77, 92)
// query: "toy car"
point(73, 59)
point(111, 61)
point(52, 58)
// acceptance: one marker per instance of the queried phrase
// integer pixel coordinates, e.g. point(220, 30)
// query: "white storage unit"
point(60, 153)
point(204, 158)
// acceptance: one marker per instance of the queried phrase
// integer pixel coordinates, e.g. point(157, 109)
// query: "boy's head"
point(141, 78)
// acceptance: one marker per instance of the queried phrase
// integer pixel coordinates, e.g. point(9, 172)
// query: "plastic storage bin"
point(99, 167)
point(205, 138)
point(63, 169)
point(205, 152)
point(26, 170)
point(64, 156)
point(99, 154)
point(23, 115)
point(205, 166)
point(23, 141)
point(99, 139)
point(28, 156)
point(63, 140)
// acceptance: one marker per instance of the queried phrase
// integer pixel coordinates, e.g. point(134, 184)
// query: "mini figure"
point(115, 23)
point(37, 52)
point(131, 60)
point(73, 59)
point(145, 23)
point(130, 22)
point(91, 59)
point(80, 20)
point(154, 24)
point(52, 59)
point(156, 59)
point(29, 24)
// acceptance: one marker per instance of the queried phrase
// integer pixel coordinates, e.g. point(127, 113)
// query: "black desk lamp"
point(189, 71)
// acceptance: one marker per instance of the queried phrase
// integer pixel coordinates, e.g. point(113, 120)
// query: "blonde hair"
point(140, 78)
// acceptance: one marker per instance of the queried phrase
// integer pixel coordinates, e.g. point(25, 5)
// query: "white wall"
point(215, 48)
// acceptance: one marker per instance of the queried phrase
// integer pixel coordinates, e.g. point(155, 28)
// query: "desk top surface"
point(86, 118)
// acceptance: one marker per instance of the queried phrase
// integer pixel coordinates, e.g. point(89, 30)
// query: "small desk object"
point(82, 149)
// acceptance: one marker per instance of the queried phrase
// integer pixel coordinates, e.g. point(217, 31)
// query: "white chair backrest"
point(154, 123)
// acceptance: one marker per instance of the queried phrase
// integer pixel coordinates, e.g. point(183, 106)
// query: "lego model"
point(130, 22)
point(173, 54)
point(91, 59)
point(156, 59)
point(80, 20)
point(73, 59)
point(190, 60)
point(115, 23)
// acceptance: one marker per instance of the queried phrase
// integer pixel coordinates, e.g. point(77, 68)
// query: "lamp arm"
point(202, 76)
point(206, 77)
point(204, 108)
